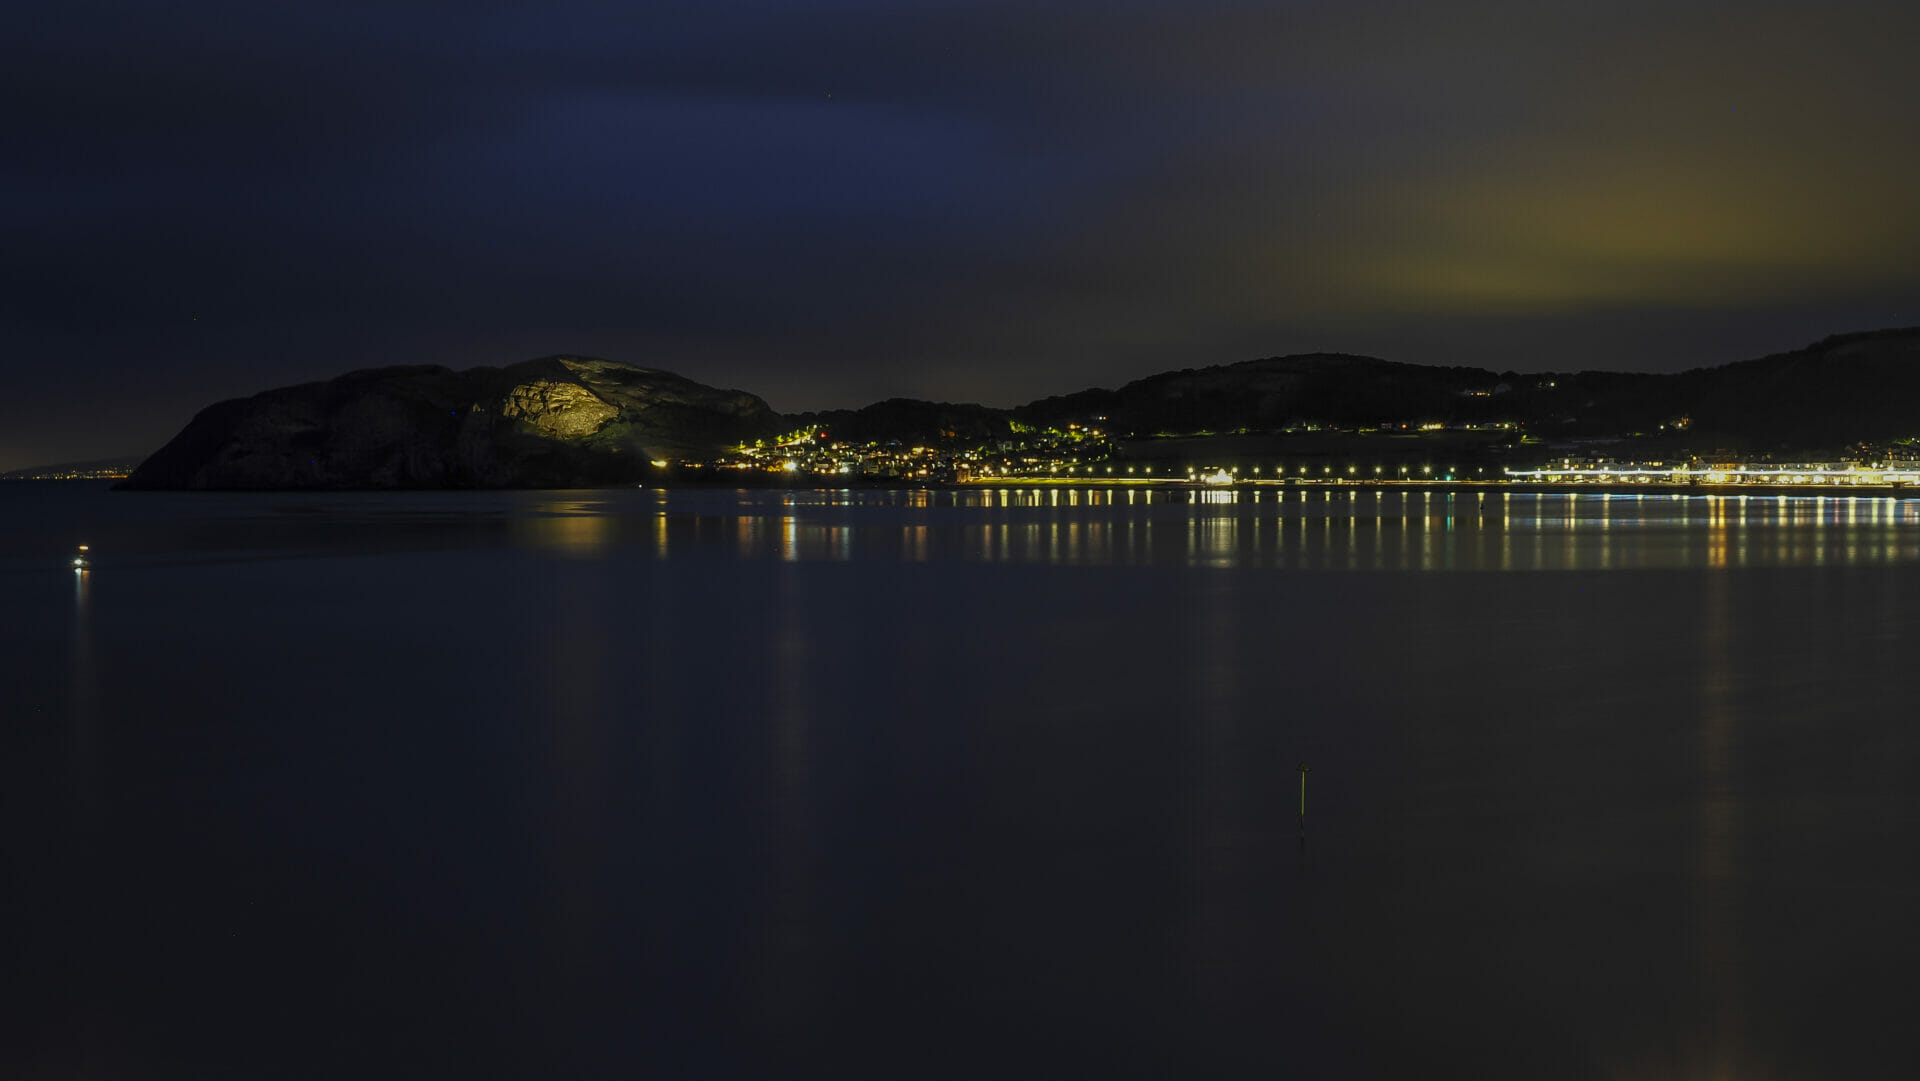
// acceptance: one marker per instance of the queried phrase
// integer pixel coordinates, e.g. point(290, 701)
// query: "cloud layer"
point(834, 202)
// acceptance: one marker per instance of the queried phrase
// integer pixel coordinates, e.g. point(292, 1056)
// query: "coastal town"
point(1080, 454)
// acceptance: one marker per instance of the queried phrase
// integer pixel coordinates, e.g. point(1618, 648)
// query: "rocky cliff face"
point(553, 422)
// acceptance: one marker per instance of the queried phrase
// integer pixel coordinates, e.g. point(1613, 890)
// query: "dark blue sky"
point(836, 202)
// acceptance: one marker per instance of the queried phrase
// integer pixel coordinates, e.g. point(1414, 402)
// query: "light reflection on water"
point(83, 696)
point(1717, 909)
point(1327, 529)
point(575, 528)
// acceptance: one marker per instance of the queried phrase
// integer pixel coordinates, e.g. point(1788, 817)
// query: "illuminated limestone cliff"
point(553, 422)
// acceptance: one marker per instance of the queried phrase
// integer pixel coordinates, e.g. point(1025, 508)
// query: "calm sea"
point(702, 784)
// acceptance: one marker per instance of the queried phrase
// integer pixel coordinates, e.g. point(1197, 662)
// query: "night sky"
point(835, 202)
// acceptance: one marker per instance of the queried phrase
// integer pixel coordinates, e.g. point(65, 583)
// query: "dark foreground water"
point(716, 784)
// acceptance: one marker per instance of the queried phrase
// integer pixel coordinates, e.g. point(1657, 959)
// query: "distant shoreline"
point(1161, 485)
point(1568, 488)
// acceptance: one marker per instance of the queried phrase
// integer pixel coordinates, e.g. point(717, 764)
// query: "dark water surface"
point(908, 784)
